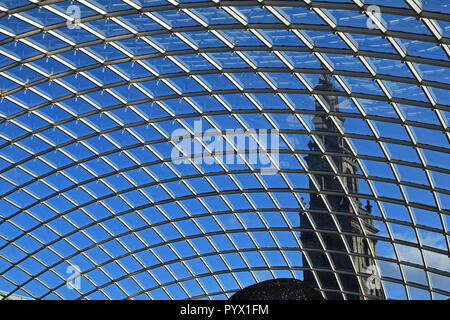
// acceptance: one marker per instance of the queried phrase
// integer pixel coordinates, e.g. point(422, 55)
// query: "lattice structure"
point(92, 92)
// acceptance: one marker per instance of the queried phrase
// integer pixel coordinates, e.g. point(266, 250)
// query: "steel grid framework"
point(66, 88)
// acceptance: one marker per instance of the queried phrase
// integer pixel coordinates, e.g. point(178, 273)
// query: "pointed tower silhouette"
point(344, 265)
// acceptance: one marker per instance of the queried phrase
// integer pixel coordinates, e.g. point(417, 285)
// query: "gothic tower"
point(336, 147)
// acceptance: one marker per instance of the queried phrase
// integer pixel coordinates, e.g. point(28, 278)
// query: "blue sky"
point(86, 157)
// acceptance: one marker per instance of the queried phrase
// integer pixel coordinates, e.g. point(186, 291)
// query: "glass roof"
point(120, 158)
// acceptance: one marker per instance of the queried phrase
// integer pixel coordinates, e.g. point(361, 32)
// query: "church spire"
point(325, 84)
point(340, 201)
point(325, 80)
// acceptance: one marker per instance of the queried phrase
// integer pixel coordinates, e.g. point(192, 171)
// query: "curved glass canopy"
point(156, 149)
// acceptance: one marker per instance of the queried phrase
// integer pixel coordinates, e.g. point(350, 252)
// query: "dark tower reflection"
point(346, 164)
